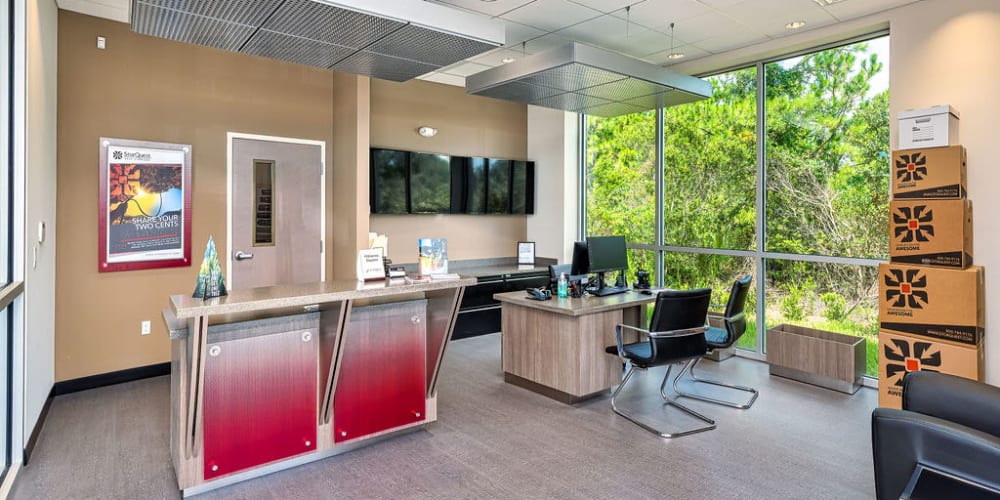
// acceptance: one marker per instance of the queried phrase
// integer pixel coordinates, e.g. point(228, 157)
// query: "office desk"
point(556, 347)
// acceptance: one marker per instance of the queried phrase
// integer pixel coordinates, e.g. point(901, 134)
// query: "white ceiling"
point(701, 27)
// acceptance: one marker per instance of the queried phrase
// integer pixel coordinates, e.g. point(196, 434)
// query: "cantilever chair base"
point(667, 401)
point(694, 395)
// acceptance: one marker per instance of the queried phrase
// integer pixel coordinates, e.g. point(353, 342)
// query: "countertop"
point(577, 307)
point(284, 296)
point(478, 268)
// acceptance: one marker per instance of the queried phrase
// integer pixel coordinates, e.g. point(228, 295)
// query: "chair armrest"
point(963, 401)
point(618, 337)
point(679, 333)
point(901, 439)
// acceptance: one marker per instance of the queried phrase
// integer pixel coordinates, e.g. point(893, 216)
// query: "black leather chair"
point(948, 429)
point(676, 335)
point(734, 324)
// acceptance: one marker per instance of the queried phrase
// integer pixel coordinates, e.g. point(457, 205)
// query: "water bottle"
point(562, 286)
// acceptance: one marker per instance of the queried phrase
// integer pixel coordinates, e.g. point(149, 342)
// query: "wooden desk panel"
point(556, 347)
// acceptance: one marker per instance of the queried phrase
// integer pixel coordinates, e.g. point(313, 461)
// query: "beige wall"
point(151, 89)
point(467, 126)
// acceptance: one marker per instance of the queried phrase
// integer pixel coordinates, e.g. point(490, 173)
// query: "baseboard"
point(110, 378)
point(29, 447)
point(8, 479)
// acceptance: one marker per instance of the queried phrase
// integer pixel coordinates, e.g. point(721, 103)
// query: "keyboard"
point(609, 290)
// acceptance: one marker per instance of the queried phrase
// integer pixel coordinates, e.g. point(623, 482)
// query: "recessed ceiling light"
point(794, 25)
point(675, 55)
point(824, 3)
point(506, 59)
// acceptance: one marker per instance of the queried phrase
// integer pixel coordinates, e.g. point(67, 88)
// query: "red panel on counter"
point(260, 401)
point(381, 381)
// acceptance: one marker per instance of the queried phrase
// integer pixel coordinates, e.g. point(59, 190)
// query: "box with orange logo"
point(941, 304)
point(929, 173)
point(931, 232)
point(901, 353)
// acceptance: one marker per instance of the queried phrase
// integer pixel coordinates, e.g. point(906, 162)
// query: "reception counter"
point(270, 378)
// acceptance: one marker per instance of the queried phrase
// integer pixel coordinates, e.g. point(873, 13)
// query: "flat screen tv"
point(389, 186)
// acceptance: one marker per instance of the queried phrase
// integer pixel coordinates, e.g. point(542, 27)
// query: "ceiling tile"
point(722, 4)
point(656, 13)
point(444, 78)
point(115, 10)
point(770, 16)
point(849, 10)
point(729, 41)
point(517, 33)
point(707, 26)
point(607, 6)
point(464, 69)
point(493, 8)
point(551, 15)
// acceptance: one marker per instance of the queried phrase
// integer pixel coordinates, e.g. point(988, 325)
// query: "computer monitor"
point(581, 258)
point(606, 253)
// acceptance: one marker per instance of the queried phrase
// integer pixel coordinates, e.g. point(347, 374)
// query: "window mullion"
point(761, 222)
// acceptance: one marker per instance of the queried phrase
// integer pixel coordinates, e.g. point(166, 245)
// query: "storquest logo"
point(906, 288)
point(911, 167)
point(913, 223)
point(899, 359)
point(117, 155)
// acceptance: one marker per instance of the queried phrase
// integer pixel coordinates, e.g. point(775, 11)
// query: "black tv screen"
point(388, 184)
point(498, 187)
point(430, 183)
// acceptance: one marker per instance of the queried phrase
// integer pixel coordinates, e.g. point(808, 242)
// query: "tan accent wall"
point(467, 126)
point(152, 89)
point(146, 88)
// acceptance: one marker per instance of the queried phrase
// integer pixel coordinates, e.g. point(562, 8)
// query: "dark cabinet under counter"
point(479, 313)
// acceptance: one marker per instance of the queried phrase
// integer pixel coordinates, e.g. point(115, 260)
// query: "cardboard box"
point(931, 232)
point(929, 173)
point(928, 127)
point(942, 304)
point(900, 353)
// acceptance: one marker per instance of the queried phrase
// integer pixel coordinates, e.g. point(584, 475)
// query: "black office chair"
point(944, 443)
point(734, 325)
point(676, 335)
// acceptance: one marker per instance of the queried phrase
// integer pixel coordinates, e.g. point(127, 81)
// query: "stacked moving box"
point(931, 297)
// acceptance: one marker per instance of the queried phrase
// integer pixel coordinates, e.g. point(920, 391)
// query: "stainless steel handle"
point(239, 255)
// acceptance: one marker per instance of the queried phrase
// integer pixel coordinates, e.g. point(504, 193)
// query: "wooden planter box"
point(832, 360)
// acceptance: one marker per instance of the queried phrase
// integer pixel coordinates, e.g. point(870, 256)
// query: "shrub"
point(834, 306)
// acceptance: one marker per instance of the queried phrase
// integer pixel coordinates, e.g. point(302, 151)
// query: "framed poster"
point(525, 252)
point(144, 205)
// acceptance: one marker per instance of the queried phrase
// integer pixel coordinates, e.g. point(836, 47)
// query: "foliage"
point(826, 189)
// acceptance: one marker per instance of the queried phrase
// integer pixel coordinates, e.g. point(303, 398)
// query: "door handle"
point(239, 255)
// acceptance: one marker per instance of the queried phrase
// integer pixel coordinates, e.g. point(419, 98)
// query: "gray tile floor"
point(495, 440)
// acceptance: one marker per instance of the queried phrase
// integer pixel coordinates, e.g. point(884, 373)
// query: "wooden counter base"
point(549, 392)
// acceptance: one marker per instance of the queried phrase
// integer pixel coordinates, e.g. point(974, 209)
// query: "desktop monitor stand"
point(602, 289)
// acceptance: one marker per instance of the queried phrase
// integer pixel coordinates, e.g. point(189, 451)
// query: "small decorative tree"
point(210, 281)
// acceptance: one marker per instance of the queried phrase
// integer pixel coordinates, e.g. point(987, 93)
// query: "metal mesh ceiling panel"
point(626, 88)
point(295, 49)
point(429, 46)
point(190, 28)
point(248, 12)
point(571, 77)
point(570, 101)
point(330, 24)
point(667, 98)
point(382, 66)
point(520, 92)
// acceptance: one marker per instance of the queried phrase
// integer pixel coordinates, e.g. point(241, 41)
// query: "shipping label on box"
point(943, 304)
point(900, 353)
point(931, 232)
point(929, 173)
point(928, 127)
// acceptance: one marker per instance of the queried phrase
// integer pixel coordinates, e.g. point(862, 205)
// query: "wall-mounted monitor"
point(389, 182)
point(430, 183)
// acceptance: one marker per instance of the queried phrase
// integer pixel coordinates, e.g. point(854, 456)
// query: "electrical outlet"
point(145, 327)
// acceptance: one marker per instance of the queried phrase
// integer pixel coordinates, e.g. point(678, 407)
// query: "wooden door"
point(277, 213)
